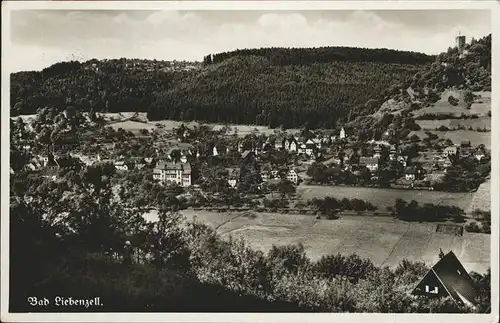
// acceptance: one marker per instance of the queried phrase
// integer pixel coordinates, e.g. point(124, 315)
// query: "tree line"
point(241, 89)
point(302, 56)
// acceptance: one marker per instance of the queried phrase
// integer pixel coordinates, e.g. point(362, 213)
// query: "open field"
point(386, 241)
point(132, 126)
point(167, 125)
point(482, 198)
point(381, 197)
point(442, 106)
point(476, 138)
point(482, 105)
point(480, 108)
point(481, 122)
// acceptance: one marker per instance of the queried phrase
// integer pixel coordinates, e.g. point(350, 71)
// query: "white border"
point(245, 5)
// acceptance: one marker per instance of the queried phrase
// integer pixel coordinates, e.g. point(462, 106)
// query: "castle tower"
point(460, 41)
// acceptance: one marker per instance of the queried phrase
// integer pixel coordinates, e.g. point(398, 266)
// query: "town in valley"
point(251, 179)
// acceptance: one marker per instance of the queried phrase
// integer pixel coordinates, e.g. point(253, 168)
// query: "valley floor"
point(384, 240)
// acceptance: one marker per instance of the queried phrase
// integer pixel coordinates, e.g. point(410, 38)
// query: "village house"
point(465, 143)
point(302, 148)
point(278, 143)
point(377, 151)
point(149, 161)
point(137, 162)
point(369, 162)
point(465, 152)
point(317, 142)
point(233, 177)
point(310, 148)
point(393, 152)
point(448, 278)
point(479, 154)
point(87, 160)
point(275, 174)
point(183, 158)
point(56, 164)
point(402, 160)
point(342, 133)
point(450, 150)
point(240, 147)
point(291, 144)
point(34, 164)
point(292, 176)
point(247, 155)
point(266, 145)
point(44, 159)
point(123, 165)
point(172, 172)
point(413, 173)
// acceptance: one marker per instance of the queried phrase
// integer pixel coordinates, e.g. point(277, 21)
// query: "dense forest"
point(275, 86)
point(303, 56)
point(109, 85)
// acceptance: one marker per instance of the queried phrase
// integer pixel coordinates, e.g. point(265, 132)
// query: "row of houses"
point(464, 151)
point(290, 174)
point(308, 146)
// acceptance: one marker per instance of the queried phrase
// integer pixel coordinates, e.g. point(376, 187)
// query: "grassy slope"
point(386, 241)
point(385, 197)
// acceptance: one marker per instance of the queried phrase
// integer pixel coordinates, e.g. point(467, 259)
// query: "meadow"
point(476, 138)
point(482, 198)
point(384, 240)
point(481, 122)
point(442, 106)
point(132, 126)
point(382, 198)
point(121, 121)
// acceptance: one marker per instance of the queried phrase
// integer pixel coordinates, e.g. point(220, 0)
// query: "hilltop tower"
point(460, 41)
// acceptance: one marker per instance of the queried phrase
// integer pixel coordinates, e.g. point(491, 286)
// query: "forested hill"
point(470, 71)
point(275, 86)
point(302, 56)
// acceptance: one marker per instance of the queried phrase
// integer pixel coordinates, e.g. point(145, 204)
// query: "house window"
point(431, 291)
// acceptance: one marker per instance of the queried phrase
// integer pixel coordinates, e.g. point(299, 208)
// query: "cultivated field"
point(482, 198)
point(386, 241)
point(132, 126)
point(481, 122)
point(482, 105)
point(384, 197)
point(444, 107)
point(480, 108)
point(121, 121)
point(476, 138)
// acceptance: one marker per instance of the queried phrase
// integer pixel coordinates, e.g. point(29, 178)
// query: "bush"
point(452, 100)
point(415, 138)
point(473, 227)
point(443, 128)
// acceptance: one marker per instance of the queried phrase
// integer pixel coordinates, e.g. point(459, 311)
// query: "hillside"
point(454, 87)
point(275, 87)
point(116, 85)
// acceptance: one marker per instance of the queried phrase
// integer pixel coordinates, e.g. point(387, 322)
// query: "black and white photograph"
point(263, 157)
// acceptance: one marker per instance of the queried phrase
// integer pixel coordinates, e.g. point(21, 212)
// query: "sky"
point(40, 38)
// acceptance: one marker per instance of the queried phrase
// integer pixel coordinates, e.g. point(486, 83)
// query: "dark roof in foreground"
point(448, 278)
